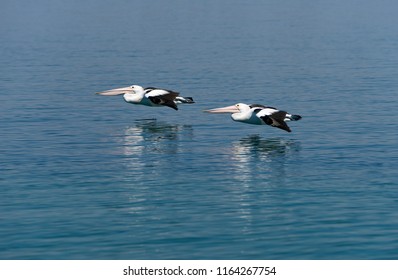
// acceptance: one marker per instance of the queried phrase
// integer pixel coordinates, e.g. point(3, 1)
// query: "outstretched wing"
point(274, 117)
point(162, 97)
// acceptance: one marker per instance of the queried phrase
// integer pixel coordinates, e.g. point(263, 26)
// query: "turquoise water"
point(92, 177)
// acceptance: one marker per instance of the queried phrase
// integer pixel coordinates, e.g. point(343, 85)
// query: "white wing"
point(273, 117)
point(162, 97)
point(266, 112)
point(161, 93)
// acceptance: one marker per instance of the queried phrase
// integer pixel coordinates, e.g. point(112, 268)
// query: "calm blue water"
point(92, 177)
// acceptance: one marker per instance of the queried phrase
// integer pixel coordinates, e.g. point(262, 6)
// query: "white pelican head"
point(239, 111)
point(131, 94)
point(134, 89)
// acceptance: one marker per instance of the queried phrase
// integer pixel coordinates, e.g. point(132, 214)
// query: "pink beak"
point(116, 91)
point(229, 109)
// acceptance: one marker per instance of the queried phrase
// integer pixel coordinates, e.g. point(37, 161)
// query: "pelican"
point(149, 96)
point(258, 114)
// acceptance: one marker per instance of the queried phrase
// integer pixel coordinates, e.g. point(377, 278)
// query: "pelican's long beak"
point(116, 91)
point(229, 109)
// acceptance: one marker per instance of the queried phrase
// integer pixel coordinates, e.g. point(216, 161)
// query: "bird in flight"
point(149, 96)
point(258, 114)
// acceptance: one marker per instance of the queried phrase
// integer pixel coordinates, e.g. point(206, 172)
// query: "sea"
point(89, 177)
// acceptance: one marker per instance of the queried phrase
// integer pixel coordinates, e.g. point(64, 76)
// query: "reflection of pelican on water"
point(150, 136)
point(148, 146)
point(256, 157)
point(258, 168)
point(264, 148)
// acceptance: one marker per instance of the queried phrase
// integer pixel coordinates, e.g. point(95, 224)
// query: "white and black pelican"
point(149, 96)
point(258, 114)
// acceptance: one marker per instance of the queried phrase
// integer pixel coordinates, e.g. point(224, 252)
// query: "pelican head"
point(124, 90)
point(131, 94)
point(237, 108)
point(241, 112)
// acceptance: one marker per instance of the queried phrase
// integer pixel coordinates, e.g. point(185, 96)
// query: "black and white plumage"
point(258, 114)
point(149, 96)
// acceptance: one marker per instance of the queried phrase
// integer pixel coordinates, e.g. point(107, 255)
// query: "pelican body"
point(149, 96)
point(258, 114)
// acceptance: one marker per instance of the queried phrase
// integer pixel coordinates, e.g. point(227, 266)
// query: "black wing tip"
point(171, 104)
point(266, 119)
point(285, 128)
point(275, 123)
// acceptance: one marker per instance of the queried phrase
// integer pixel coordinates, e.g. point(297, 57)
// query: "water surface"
point(92, 177)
